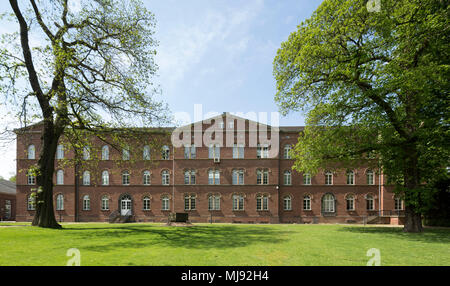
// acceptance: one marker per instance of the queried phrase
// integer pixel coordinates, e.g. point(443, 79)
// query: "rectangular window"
point(238, 151)
point(306, 179)
point(238, 203)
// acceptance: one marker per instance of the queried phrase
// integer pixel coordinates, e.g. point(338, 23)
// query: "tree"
point(372, 84)
point(91, 72)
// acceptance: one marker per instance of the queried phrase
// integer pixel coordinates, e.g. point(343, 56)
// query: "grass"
point(221, 244)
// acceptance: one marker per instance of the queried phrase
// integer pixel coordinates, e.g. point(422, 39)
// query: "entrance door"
point(125, 205)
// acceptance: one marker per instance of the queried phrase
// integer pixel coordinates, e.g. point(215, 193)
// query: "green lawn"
point(221, 244)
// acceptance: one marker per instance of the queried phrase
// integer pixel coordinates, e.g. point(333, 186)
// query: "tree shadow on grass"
point(429, 235)
point(197, 237)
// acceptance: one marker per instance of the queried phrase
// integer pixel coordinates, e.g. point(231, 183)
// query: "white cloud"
point(186, 45)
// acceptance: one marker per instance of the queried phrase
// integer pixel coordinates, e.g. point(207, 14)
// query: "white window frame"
point(86, 203)
point(287, 203)
point(105, 203)
point(165, 203)
point(287, 151)
point(59, 202)
point(237, 177)
point(126, 178)
point(328, 178)
point(146, 204)
point(165, 178)
point(328, 203)
point(105, 152)
point(214, 177)
point(60, 177)
point(146, 178)
point(287, 178)
point(350, 177)
point(86, 178)
point(307, 202)
point(307, 179)
point(146, 153)
point(105, 178)
point(370, 177)
point(31, 152)
point(60, 152)
point(213, 202)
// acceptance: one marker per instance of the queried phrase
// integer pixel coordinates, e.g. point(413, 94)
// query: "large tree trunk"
point(45, 215)
point(413, 219)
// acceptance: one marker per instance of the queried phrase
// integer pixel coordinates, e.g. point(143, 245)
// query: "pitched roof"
point(7, 187)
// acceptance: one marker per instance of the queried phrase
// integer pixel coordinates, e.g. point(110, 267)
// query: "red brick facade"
point(275, 191)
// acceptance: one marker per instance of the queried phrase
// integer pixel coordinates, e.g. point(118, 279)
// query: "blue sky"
point(215, 53)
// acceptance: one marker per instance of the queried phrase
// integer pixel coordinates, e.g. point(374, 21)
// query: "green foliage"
point(372, 83)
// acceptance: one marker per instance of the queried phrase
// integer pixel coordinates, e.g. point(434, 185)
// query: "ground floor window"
point(238, 202)
point(328, 203)
point(350, 203)
point(105, 203)
point(213, 202)
point(165, 203)
point(189, 202)
point(262, 202)
point(307, 203)
point(370, 203)
point(287, 203)
point(146, 204)
point(86, 203)
point(59, 202)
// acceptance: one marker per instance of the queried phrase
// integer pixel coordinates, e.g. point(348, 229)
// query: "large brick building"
point(224, 169)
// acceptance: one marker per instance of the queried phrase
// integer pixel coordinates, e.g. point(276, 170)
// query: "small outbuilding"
point(7, 200)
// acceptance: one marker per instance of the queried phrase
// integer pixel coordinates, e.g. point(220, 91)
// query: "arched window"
point(328, 178)
point(165, 155)
point(60, 177)
point(86, 203)
point(238, 202)
point(146, 203)
point(105, 203)
point(126, 153)
point(31, 178)
point(287, 203)
point(350, 202)
point(262, 176)
point(262, 202)
point(165, 177)
point(307, 203)
point(189, 177)
point(287, 151)
point(238, 177)
point(214, 177)
point(146, 178)
point(105, 178)
point(370, 177)
point(60, 152)
point(125, 178)
point(370, 203)
point(31, 152)
point(59, 202)
point(146, 153)
point(213, 202)
point(86, 153)
point(105, 152)
point(328, 203)
point(189, 202)
point(306, 179)
point(165, 203)
point(86, 178)
point(287, 178)
point(31, 203)
point(350, 177)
